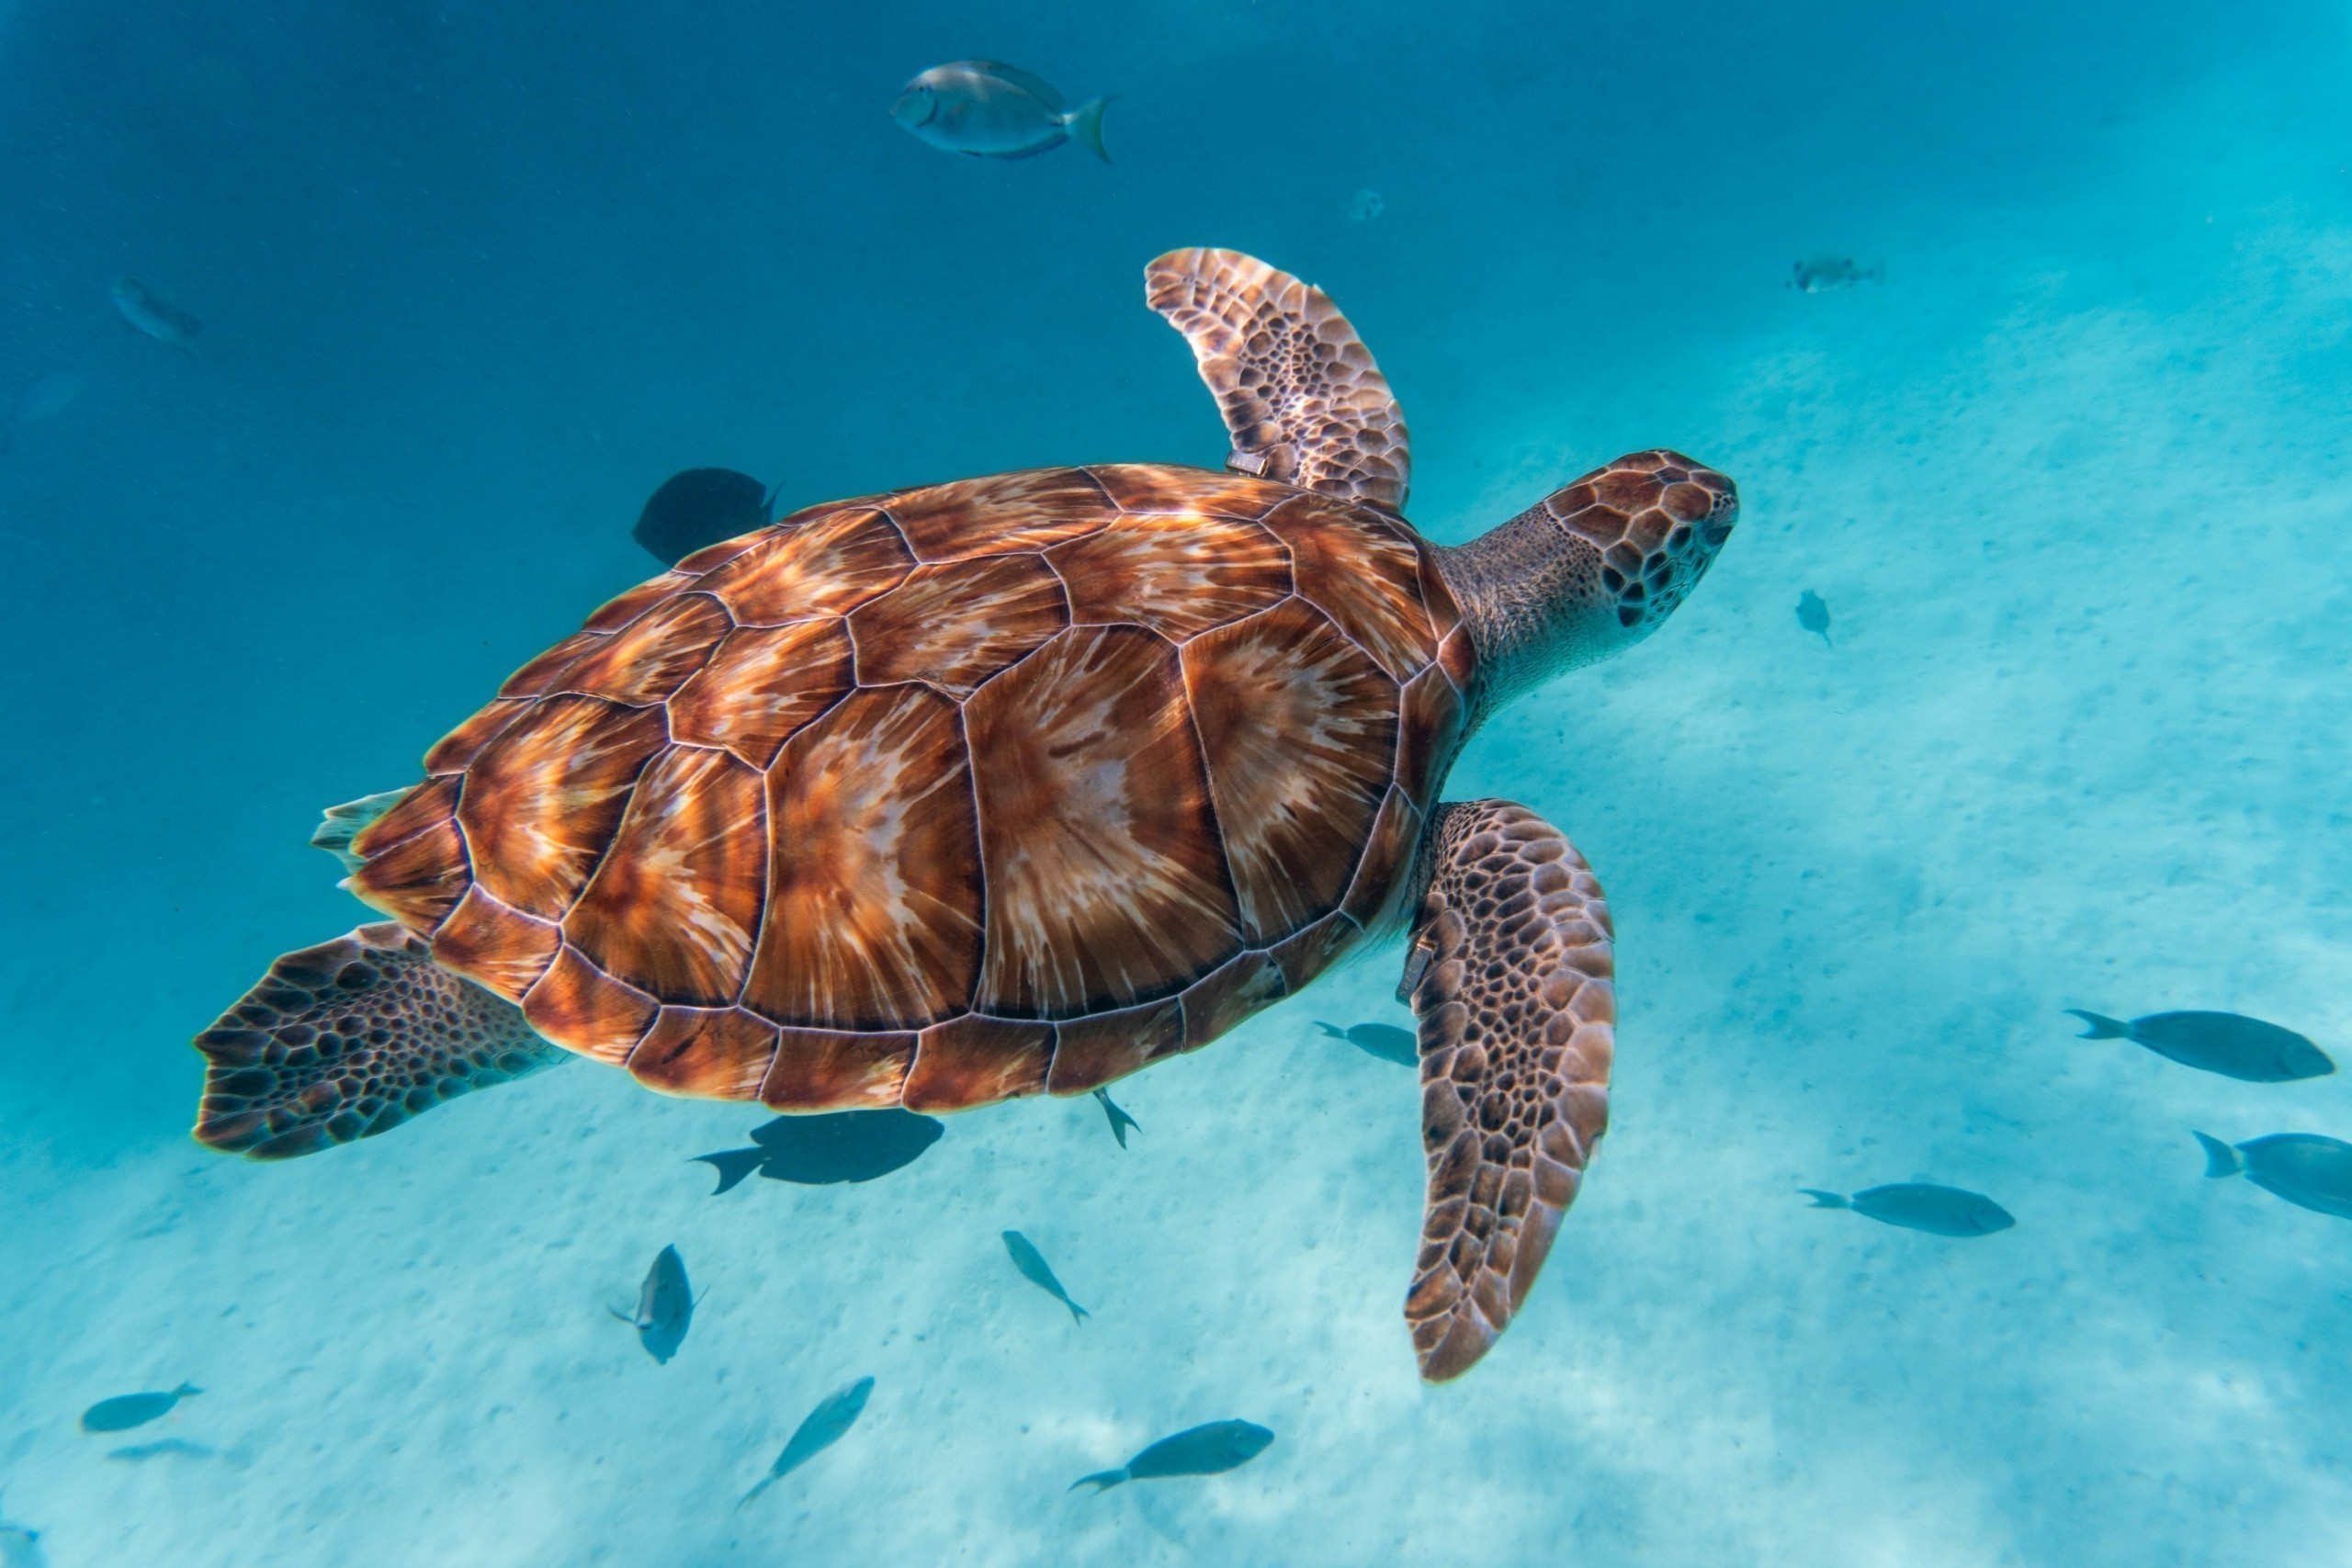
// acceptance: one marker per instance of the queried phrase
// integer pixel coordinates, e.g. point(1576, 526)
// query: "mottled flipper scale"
point(1510, 973)
point(1300, 393)
point(349, 1038)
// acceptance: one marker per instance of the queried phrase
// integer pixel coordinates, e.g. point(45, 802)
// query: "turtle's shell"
point(947, 795)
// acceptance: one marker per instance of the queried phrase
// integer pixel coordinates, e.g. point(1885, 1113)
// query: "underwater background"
point(2069, 476)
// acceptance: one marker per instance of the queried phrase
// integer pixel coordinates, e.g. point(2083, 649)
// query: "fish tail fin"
point(1085, 124)
point(1077, 1313)
point(1825, 1199)
point(733, 1165)
point(2220, 1158)
point(2101, 1026)
point(766, 1482)
point(1103, 1480)
point(1331, 1030)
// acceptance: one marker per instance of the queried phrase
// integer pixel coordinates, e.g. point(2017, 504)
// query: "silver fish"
point(2308, 1170)
point(151, 313)
point(1922, 1206)
point(1385, 1041)
point(1038, 1272)
point(1120, 1120)
point(820, 1429)
point(125, 1411)
point(1814, 615)
point(1211, 1448)
point(1819, 274)
point(984, 108)
point(2236, 1048)
point(666, 1306)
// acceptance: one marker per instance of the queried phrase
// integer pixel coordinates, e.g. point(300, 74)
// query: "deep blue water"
point(2071, 480)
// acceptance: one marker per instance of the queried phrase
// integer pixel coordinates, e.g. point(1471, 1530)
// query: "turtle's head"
point(1588, 569)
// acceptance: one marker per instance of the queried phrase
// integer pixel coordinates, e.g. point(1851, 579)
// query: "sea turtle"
point(1020, 784)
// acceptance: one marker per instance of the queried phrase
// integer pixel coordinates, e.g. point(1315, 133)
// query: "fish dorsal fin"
point(1035, 85)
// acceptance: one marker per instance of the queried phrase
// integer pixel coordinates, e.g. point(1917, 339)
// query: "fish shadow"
point(819, 1151)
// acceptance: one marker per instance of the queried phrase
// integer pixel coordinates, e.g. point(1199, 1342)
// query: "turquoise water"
point(2070, 479)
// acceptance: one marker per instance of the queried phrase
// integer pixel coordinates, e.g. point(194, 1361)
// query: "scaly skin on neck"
point(1586, 573)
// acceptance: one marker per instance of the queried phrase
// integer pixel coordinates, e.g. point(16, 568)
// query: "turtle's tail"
point(1825, 1199)
point(1103, 1480)
point(2101, 1026)
point(2220, 1158)
point(1086, 125)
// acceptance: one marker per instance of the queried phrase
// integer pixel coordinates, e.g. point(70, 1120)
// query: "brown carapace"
point(937, 798)
point(1018, 785)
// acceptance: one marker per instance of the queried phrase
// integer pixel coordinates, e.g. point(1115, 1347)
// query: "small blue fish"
point(2229, 1044)
point(1208, 1450)
point(151, 313)
point(2308, 1170)
point(1922, 1206)
point(125, 1411)
point(1385, 1041)
point(1120, 1120)
point(820, 1429)
point(666, 1306)
point(1813, 615)
point(1038, 1272)
point(984, 108)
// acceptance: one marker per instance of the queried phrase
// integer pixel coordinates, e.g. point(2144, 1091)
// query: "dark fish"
point(1814, 615)
point(1922, 1206)
point(819, 1430)
point(125, 1411)
point(150, 312)
point(2236, 1048)
point(984, 108)
point(666, 1306)
point(137, 1452)
point(2305, 1168)
point(1038, 1272)
point(1385, 1041)
point(1210, 1450)
point(1820, 273)
point(1120, 1120)
point(698, 508)
point(816, 1151)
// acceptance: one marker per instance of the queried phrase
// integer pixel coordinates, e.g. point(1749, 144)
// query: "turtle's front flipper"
point(1301, 396)
point(1511, 972)
point(350, 1038)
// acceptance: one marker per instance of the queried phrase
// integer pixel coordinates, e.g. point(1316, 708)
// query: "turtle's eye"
point(915, 106)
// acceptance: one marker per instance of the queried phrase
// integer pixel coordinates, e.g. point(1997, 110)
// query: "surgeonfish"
point(1120, 1120)
point(1820, 273)
point(1922, 1206)
point(2308, 1170)
point(1814, 615)
point(984, 108)
point(1385, 1041)
point(150, 312)
point(1038, 1272)
point(1208, 1450)
point(820, 1429)
point(125, 1411)
point(818, 1151)
point(666, 1306)
point(698, 508)
point(2229, 1044)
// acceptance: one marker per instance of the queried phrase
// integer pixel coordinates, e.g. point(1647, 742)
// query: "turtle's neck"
point(1530, 593)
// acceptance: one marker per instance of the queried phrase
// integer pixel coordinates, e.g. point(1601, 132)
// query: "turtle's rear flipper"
point(1513, 983)
point(1302, 398)
point(351, 1037)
